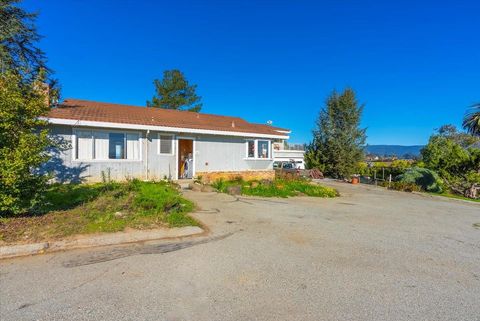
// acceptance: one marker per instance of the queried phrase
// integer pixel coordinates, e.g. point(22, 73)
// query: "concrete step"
point(184, 183)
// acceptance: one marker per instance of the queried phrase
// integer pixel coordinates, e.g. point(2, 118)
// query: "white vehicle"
point(286, 165)
point(295, 157)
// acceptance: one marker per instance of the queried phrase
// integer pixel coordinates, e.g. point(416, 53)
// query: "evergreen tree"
point(174, 92)
point(19, 52)
point(338, 141)
point(24, 140)
point(18, 38)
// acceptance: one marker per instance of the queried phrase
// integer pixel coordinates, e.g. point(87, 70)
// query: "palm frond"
point(471, 121)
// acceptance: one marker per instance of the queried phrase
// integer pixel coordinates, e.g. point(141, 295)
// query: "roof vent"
point(198, 115)
point(233, 124)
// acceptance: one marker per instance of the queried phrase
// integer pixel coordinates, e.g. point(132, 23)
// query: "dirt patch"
point(23, 229)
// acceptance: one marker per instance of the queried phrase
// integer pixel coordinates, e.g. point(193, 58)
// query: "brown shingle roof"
point(85, 110)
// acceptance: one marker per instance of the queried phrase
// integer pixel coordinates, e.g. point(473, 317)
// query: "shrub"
point(24, 142)
point(362, 168)
point(455, 156)
point(403, 186)
point(277, 188)
point(425, 178)
point(287, 175)
point(401, 164)
point(220, 185)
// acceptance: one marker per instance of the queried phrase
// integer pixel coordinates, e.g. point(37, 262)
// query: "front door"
point(185, 158)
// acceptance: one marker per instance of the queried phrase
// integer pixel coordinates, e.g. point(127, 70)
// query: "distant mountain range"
point(393, 150)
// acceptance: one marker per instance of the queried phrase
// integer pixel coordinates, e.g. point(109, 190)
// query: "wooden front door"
point(185, 149)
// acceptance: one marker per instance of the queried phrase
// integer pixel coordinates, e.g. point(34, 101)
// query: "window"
point(116, 145)
point(263, 149)
point(165, 144)
point(251, 149)
point(104, 145)
point(258, 149)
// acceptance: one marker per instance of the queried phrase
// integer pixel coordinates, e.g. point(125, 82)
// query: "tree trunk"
point(472, 192)
point(454, 188)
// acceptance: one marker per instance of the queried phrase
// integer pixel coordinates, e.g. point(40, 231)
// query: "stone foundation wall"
point(209, 177)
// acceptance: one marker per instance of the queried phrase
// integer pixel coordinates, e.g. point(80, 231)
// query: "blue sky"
point(415, 64)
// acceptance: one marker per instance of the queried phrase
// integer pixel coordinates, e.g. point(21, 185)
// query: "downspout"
point(146, 154)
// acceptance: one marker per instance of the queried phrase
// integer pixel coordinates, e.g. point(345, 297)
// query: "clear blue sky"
point(415, 64)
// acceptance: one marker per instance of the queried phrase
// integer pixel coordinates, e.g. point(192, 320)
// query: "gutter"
point(87, 123)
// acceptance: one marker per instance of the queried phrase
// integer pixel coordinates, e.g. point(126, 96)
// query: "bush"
point(220, 185)
point(425, 178)
point(277, 188)
point(24, 142)
point(401, 164)
point(402, 186)
point(455, 156)
point(287, 175)
point(362, 168)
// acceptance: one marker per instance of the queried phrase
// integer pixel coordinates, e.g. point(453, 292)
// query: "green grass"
point(460, 197)
point(277, 188)
point(111, 207)
point(409, 187)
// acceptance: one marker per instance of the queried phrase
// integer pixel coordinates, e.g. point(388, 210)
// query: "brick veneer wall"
point(209, 177)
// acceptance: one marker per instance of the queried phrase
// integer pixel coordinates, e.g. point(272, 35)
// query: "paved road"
point(368, 255)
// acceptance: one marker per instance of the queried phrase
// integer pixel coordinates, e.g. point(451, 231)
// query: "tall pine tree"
point(174, 92)
point(338, 140)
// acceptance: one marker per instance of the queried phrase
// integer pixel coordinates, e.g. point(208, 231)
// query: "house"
point(294, 156)
point(149, 143)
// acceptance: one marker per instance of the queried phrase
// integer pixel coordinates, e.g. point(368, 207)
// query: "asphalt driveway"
point(368, 255)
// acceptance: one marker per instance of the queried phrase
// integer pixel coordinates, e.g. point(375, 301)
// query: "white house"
point(152, 143)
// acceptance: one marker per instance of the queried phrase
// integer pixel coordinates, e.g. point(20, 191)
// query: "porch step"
point(184, 183)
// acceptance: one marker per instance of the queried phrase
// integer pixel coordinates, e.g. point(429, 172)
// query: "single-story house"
point(148, 143)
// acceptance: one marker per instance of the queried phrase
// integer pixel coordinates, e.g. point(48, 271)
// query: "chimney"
point(43, 89)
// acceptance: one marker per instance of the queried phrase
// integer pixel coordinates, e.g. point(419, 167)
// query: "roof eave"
point(87, 123)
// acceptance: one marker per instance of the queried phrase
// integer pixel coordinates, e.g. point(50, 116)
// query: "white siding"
point(212, 153)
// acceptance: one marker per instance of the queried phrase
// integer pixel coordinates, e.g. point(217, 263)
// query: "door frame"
point(193, 139)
